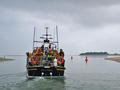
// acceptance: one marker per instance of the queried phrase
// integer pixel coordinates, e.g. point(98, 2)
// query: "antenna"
point(57, 37)
point(33, 38)
point(54, 35)
point(46, 32)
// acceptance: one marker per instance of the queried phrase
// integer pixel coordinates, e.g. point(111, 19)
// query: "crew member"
point(40, 54)
point(49, 55)
point(34, 53)
point(29, 54)
point(56, 54)
point(50, 46)
point(61, 53)
point(42, 48)
point(28, 58)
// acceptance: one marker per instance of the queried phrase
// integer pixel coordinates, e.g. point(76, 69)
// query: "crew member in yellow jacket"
point(28, 58)
point(41, 48)
point(34, 53)
point(56, 54)
point(40, 54)
point(29, 54)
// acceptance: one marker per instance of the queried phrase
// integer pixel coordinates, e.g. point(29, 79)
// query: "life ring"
point(58, 60)
point(31, 59)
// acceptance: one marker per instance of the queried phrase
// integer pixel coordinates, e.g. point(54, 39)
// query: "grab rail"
point(42, 60)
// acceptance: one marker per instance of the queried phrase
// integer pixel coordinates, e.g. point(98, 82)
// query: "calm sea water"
point(96, 74)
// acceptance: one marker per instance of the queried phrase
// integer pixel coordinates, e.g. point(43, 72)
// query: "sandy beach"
point(114, 59)
point(5, 59)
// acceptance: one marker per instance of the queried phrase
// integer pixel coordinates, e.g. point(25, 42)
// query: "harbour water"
point(96, 74)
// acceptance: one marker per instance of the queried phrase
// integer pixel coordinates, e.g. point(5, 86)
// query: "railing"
point(42, 61)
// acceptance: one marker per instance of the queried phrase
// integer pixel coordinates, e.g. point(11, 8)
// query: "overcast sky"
point(84, 25)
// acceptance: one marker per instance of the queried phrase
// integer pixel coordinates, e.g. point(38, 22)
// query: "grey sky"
point(84, 25)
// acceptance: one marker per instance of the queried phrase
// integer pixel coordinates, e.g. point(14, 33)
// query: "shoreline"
point(100, 55)
point(117, 59)
point(5, 59)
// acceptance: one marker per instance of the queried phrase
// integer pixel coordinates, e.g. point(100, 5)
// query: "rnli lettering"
point(46, 69)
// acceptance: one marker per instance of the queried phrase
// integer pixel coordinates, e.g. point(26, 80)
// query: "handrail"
point(42, 60)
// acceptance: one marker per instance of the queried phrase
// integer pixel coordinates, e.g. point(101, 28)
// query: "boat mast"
point(46, 32)
point(57, 38)
point(33, 38)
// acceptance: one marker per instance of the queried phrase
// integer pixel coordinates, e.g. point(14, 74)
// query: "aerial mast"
point(33, 38)
point(46, 32)
point(57, 38)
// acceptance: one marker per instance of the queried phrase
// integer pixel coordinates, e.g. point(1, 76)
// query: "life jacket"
point(30, 55)
point(39, 47)
point(50, 51)
point(56, 54)
point(34, 53)
point(39, 52)
point(49, 55)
